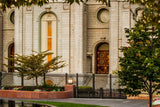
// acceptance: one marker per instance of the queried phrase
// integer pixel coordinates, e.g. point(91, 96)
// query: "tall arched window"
point(11, 55)
point(48, 33)
point(102, 58)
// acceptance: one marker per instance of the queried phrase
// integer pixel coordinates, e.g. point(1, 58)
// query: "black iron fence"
point(87, 85)
point(102, 86)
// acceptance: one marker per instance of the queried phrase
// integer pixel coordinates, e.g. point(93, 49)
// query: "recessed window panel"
point(103, 15)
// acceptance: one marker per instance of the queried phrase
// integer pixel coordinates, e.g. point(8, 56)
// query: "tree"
point(35, 65)
point(140, 65)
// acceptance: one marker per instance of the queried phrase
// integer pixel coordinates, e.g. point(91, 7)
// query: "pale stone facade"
point(1, 40)
point(78, 32)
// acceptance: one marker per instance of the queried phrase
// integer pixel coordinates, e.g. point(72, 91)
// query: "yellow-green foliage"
point(35, 64)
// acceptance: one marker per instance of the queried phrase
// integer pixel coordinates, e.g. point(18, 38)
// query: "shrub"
point(84, 88)
point(32, 88)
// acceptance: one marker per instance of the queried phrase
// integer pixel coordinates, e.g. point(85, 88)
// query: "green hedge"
point(84, 88)
point(32, 88)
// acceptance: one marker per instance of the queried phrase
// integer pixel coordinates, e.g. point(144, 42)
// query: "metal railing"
point(101, 85)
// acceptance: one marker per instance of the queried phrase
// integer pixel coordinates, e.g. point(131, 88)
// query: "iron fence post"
point(66, 78)
point(120, 94)
point(93, 92)
point(101, 92)
point(110, 85)
point(76, 85)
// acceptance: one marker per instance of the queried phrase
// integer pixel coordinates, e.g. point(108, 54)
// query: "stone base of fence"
point(68, 93)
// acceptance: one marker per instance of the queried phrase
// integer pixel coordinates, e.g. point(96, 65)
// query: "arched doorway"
point(102, 59)
point(11, 55)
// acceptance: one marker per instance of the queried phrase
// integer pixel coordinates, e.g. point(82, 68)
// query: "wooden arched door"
point(102, 59)
point(11, 55)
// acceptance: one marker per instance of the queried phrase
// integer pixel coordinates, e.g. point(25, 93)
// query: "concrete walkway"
point(106, 102)
point(102, 102)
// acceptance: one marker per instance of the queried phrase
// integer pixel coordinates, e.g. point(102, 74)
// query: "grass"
point(61, 104)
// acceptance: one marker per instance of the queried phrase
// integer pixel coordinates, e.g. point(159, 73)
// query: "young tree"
point(140, 65)
point(35, 65)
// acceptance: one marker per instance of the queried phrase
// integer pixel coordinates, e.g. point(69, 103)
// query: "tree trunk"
point(150, 99)
point(22, 80)
point(150, 94)
point(36, 81)
point(44, 78)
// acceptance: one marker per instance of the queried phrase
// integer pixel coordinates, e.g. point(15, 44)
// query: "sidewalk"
point(106, 102)
point(102, 102)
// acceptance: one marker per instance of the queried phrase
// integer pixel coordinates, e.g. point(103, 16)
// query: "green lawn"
point(61, 104)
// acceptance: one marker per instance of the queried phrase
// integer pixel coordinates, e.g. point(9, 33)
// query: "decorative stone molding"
point(126, 5)
point(28, 8)
point(89, 54)
point(48, 8)
point(65, 6)
point(122, 0)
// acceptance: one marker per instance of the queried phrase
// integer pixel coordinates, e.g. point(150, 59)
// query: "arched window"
point(11, 55)
point(48, 33)
point(102, 59)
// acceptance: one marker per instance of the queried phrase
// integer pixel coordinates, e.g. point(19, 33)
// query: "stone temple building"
point(87, 35)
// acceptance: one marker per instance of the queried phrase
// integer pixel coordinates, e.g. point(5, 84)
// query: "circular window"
point(12, 17)
point(103, 15)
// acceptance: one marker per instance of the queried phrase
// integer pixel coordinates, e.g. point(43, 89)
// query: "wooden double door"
point(102, 62)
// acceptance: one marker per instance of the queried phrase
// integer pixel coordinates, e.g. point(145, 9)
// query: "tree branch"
point(146, 85)
point(156, 88)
